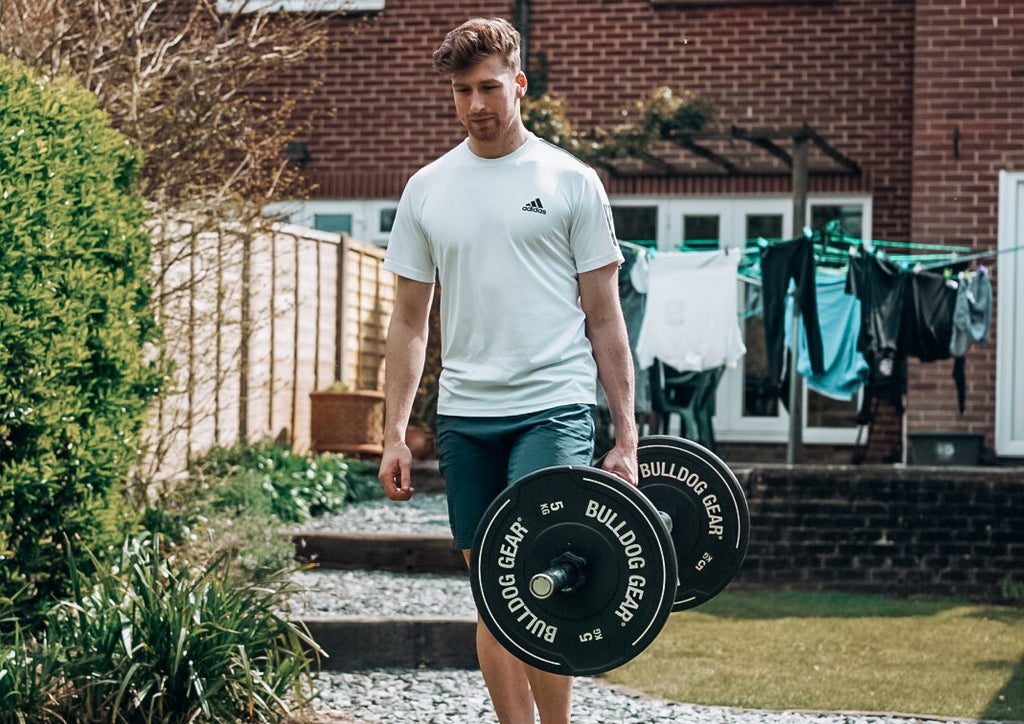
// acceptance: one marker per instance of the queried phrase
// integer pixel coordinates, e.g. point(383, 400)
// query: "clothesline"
point(953, 255)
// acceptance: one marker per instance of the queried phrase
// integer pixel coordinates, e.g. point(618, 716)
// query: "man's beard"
point(486, 129)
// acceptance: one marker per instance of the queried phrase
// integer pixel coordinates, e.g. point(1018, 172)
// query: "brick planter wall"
point(900, 531)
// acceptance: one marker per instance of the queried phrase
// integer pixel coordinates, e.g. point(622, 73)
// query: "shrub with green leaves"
point(270, 479)
point(74, 320)
point(236, 500)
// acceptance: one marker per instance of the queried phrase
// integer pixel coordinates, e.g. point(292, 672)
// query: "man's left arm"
point(606, 329)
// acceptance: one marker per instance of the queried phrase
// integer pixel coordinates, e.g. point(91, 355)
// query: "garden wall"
point(890, 530)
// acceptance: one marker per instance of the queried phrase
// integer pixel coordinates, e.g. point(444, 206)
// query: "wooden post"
point(339, 313)
point(795, 442)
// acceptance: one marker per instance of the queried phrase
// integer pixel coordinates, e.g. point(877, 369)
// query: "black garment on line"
point(928, 317)
point(880, 287)
point(779, 263)
point(903, 314)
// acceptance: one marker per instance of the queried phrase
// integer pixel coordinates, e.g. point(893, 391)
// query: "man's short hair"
point(476, 40)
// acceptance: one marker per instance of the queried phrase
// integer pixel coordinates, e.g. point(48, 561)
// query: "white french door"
point(1010, 317)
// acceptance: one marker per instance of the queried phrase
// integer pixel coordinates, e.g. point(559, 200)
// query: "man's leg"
point(515, 687)
point(552, 694)
point(505, 676)
point(473, 455)
point(506, 680)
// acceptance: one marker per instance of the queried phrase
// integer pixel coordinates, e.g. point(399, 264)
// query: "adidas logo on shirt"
point(535, 206)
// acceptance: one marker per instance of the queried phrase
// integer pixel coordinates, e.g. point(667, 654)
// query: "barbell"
point(575, 571)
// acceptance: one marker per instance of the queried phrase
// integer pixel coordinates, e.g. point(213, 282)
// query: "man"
point(520, 238)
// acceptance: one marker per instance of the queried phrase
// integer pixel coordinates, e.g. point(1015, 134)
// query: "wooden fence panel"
point(368, 295)
point(255, 320)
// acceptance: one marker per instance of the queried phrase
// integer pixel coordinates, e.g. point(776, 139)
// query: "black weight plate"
point(629, 582)
point(710, 520)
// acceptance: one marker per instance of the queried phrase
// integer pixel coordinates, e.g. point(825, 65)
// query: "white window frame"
point(365, 215)
point(298, 6)
point(1010, 338)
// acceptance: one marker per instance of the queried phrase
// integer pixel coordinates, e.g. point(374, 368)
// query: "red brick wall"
point(844, 68)
point(968, 78)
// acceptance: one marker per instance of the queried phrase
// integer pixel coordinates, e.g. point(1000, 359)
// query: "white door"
point(1010, 317)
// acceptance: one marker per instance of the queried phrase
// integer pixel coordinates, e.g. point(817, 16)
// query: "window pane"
point(387, 220)
point(759, 398)
point(700, 233)
point(296, 6)
point(337, 223)
point(825, 412)
point(637, 224)
point(764, 226)
point(850, 218)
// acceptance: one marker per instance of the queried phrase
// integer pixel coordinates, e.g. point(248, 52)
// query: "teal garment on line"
point(839, 317)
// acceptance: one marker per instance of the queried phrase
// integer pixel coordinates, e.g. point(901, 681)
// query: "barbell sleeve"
point(565, 573)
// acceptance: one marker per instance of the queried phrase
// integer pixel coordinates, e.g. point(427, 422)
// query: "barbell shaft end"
point(543, 585)
point(565, 572)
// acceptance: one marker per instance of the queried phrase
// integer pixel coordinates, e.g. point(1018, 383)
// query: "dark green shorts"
point(480, 456)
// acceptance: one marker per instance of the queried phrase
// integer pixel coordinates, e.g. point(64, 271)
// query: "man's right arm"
point(404, 357)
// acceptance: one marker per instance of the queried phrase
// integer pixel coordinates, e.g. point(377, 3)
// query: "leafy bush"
point(145, 640)
point(269, 479)
point(236, 500)
point(664, 114)
point(74, 386)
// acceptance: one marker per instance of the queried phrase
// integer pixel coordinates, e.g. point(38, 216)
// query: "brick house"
point(923, 97)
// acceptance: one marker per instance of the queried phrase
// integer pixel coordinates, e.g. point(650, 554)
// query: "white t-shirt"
point(507, 238)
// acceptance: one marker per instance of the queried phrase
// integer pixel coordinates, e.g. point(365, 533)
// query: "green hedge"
point(74, 320)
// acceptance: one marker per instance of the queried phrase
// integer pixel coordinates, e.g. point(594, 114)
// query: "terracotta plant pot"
point(421, 443)
point(347, 421)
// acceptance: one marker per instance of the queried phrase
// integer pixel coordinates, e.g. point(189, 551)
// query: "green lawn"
point(838, 652)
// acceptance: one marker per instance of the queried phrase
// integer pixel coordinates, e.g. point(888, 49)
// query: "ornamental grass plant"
point(185, 624)
point(144, 640)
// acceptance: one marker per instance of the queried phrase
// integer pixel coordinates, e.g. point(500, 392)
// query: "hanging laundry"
point(633, 273)
point(928, 305)
point(846, 370)
point(903, 314)
point(781, 263)
point(972, 317)
point(879, 286)
point(691, 322)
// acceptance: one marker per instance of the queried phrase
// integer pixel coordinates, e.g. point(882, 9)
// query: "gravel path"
point(457, 696)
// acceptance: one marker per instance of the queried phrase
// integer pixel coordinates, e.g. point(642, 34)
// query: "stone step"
point(354, 643)
point(402, 642)
point(398, 552)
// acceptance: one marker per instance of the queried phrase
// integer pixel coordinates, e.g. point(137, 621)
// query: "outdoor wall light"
point(296, 151)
